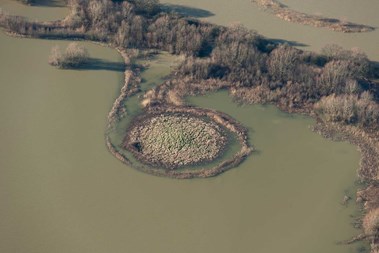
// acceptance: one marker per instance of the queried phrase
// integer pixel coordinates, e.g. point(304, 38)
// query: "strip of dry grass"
point(281, 11)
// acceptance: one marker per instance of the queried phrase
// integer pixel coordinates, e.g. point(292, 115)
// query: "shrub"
point(350, 109)
point(74, 56)
point(55, 57)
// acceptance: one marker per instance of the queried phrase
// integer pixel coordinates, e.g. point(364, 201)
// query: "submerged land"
point(336, 87)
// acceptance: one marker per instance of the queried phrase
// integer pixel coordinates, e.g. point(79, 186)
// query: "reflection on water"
point(99, 64)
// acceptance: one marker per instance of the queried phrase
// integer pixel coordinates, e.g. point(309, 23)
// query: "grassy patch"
point(176, 140)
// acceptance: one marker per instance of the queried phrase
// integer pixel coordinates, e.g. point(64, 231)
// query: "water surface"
point(61, 190)
point(226, 12)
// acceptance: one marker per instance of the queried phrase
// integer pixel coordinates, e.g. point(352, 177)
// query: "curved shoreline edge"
point(287, 14)
point(223, 119)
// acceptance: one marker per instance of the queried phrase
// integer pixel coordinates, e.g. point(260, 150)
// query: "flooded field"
point(62, 191)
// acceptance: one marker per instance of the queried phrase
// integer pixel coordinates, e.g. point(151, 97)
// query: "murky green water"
point(243, 11)
point(61, 191)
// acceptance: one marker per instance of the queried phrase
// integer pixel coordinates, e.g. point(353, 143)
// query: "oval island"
point(174, 140)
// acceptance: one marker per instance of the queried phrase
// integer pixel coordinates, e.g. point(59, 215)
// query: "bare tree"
point(334, 76)
point(359, 65)
point(122, 35)
point(282, 62)
point(55, 57)
point(73, 57)
point(350, 109)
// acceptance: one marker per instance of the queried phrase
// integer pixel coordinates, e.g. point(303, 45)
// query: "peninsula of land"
point(287, 14)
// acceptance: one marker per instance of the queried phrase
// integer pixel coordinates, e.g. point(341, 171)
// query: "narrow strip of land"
point(287, 14)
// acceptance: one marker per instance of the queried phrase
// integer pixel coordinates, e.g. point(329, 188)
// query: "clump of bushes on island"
point(350, 109)
point(73, 57)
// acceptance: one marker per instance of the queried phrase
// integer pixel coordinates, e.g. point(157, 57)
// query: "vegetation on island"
point(73, 57)
point(336, 87)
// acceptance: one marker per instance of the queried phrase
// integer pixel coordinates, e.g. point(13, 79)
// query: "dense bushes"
point(73, 57)
point(356, 60)
point(350, 109)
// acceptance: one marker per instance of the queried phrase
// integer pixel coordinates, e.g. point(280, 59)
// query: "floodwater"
point(226, 12)
point(46, 10)
point(61, 191)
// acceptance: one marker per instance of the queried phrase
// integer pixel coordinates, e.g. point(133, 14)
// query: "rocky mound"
point(174, 140)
